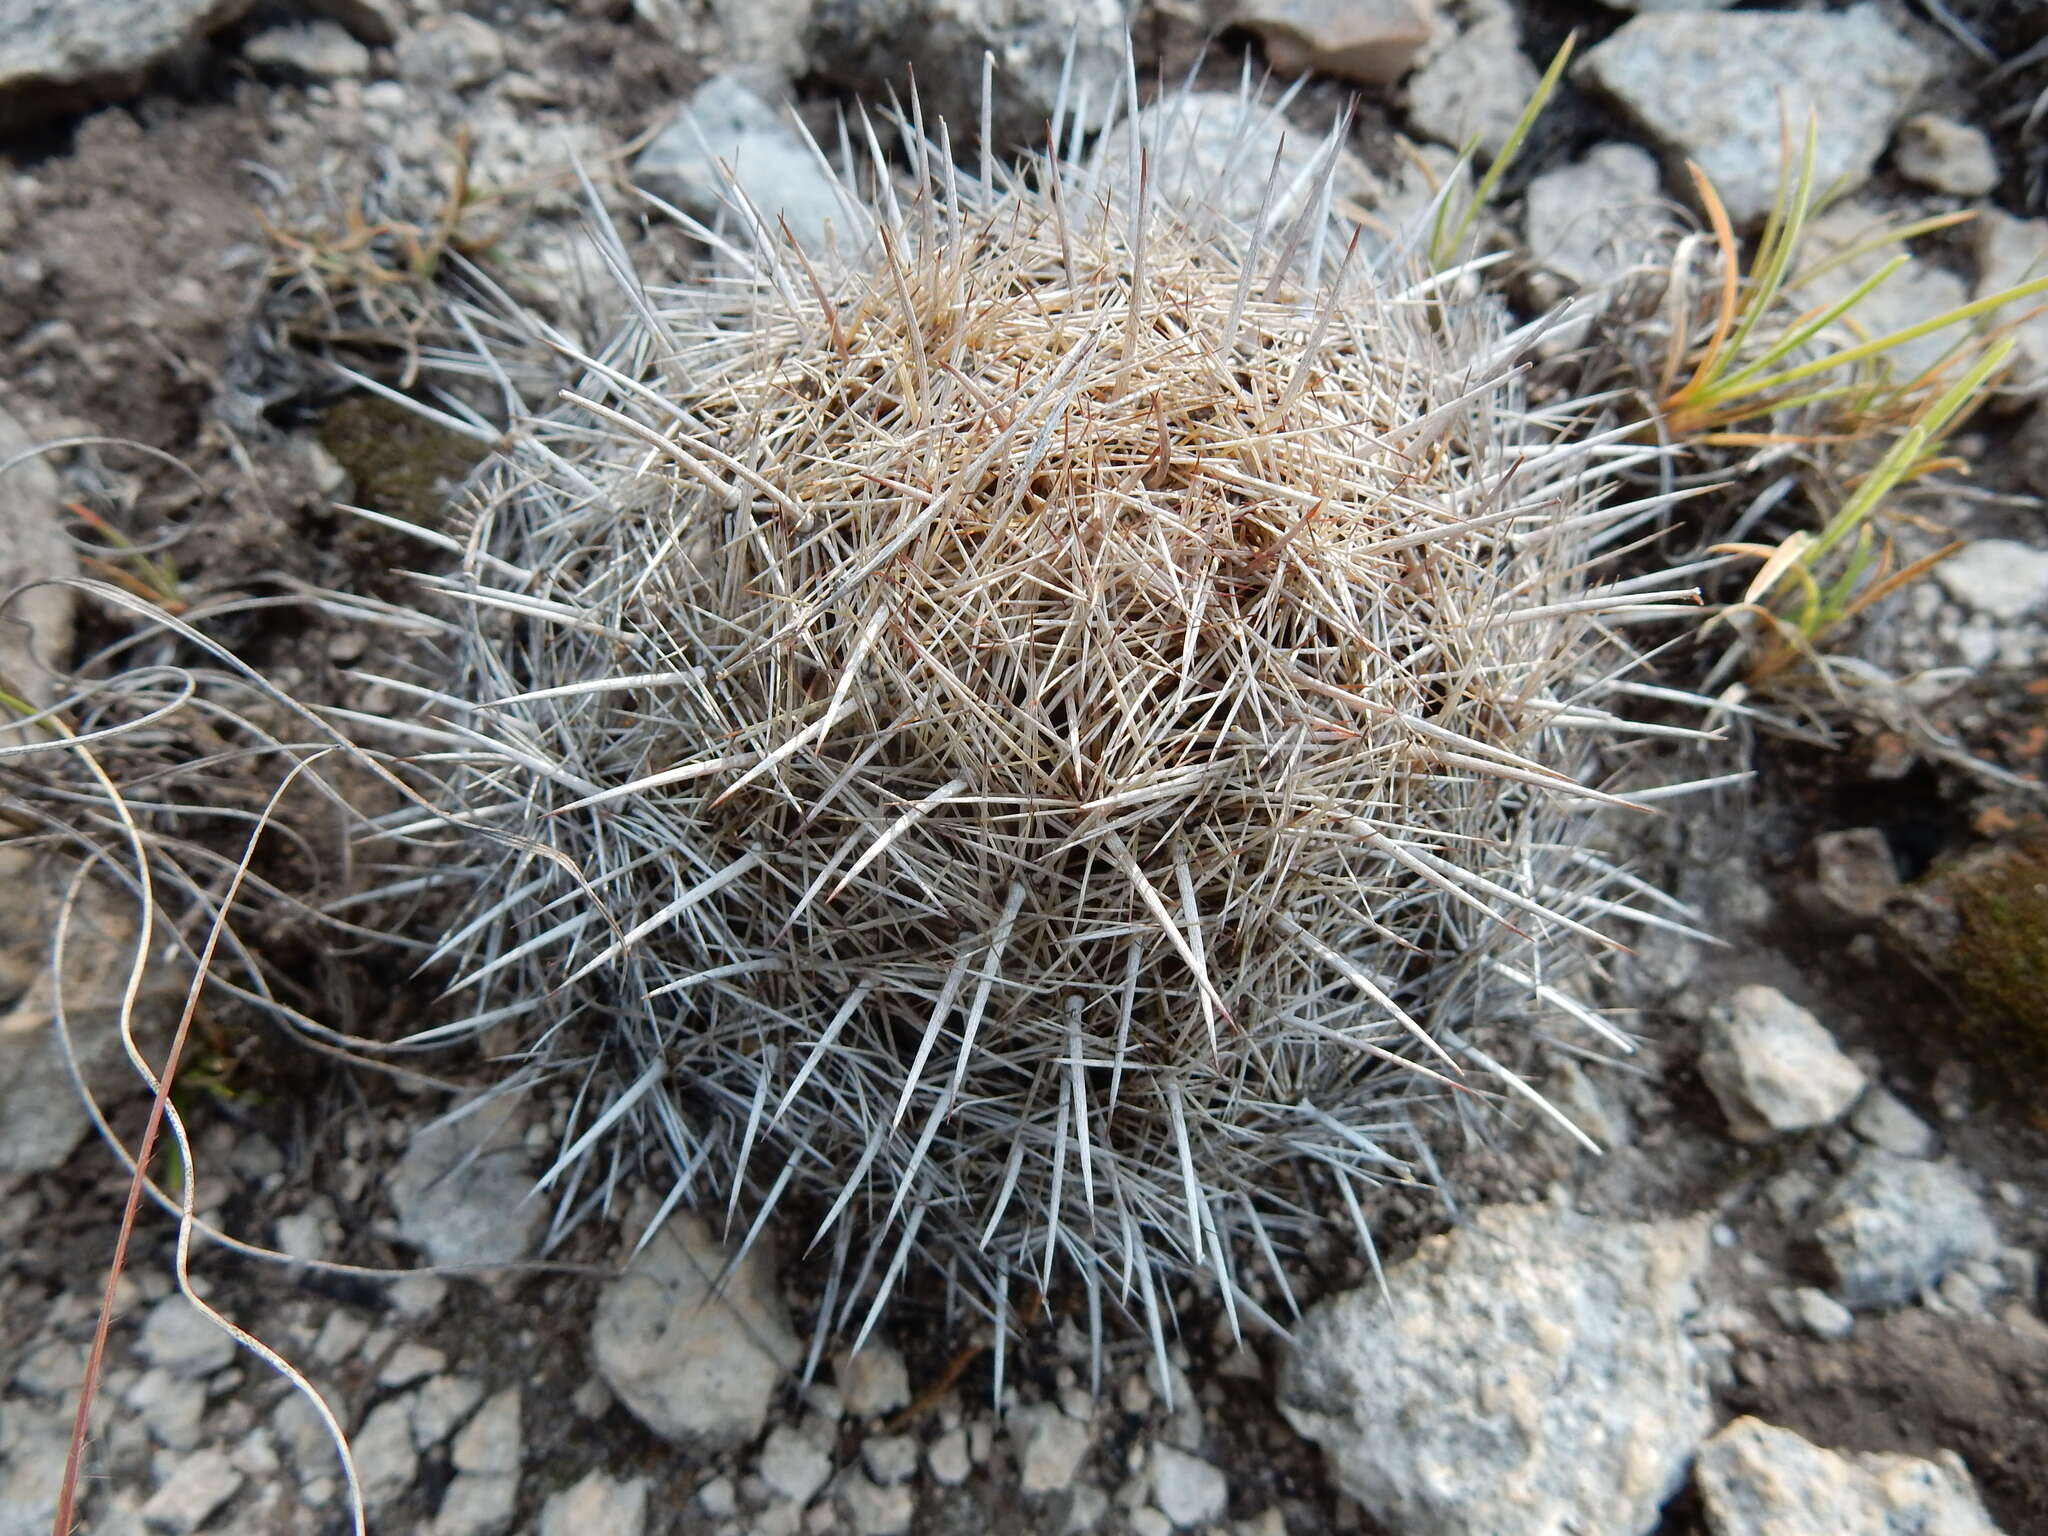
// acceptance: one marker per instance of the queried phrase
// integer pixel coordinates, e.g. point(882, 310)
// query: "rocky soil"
point(1799, 1289)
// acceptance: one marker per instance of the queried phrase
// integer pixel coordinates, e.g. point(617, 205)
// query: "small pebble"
point(948, 1458)
point(718, 1499)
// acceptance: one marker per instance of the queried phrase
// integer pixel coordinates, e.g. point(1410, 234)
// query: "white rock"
point(873, 1382)
point(728, 147)
point(1855, 874)
point(1370, 41)
point(442, 1404)
point(303, 1436)
point(418, 1296)
point(1150, 1522)
point(1712, 88)
point(1960, 1295)
point(1894, 1226)
point(53, 1368)
point(477, 1504)
point(460, 1189)
point(1816, 1312)
point(386, 1461)
point(1050, 1447)
point(409, 1363)
point(877, 1511)
point(597, 1506)
point(1591, 220)
point(41, 1117)
point(792, 1466)
point(1476, 85)
point(694, 1365)
point(318, 50)
point(302, 1235)
point(340, 1336)
point(491, 1441)
point(171, 1405)
point(56, 57)
point(30, 1471)
point(2000, 577)
point(718, 1499)
point(1946, 155)
point(450, 53)
point(1880, 1119)
point(890, 1458)
point(255, 1455)
point(948, 1460)
point(2010, 252)
point(35, 627)
point(202, 1482)
point(1532, 1374)
point(1186, 1489)
point(875, 46)
point(1087, 1507)
point(1758, 1480)
point(1773, 1067)
point(183, 1340)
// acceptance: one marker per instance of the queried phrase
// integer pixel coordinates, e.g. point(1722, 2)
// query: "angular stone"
point(1186, 1489)
point(597, 1506)
point(386, 1461)
point(1880, 1119)
point(1759, 1480)
point(318, 50)
point(1894, 1226)
point(1370, 41)
point(183, 1340)
point(67, 56)
point(948, 1460)
point(36, 625)
point(730, 149)
point(1773, 1066)
point(1946, 155)
point(450, 53)
point(792, 1467)
point(1050, 1447)
point(461, 1188)
point(199, 1484)
point(1713, 89)
point(477, 1504)
point(491, 1440)
point(693, 1364)
point(1590, 220)
point(2010, 252)
point(875, 1381)
point(877, 1511)
point(1475, 86)
point(2001, 578)
point(890, 1459)
point(1532, 1374)
point(1918, 291)
point(1854, 872)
